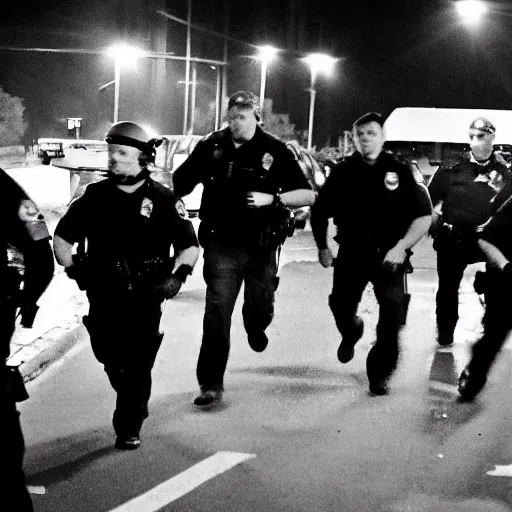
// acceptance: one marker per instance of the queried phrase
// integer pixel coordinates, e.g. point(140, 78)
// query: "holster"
point(280, 227)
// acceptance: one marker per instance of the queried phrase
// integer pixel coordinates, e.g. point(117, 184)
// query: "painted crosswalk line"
point(501, 471)
point(185, 482)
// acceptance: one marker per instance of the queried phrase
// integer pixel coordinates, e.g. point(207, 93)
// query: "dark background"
point(391, 54)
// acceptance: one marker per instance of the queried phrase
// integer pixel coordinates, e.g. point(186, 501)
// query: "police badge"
point(267, 161)
point(391, 180)
point(217, 152)
point(146, 208)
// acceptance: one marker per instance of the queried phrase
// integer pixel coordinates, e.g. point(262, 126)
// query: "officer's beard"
point(123, 179)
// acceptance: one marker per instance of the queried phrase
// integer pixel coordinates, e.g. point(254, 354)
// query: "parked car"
point(315, 174)
point(90, 165)
point(434, 137)
point(174, 150)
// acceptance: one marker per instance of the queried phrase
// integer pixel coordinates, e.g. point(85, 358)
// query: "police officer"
point(24, 228)
point(496, 244)
point(464, 197)
point(248, 176)
point(380, 213)
point(130, 222)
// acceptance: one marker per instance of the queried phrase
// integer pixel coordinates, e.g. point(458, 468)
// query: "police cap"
point(369, 117)
point(245, 99)
point(483, 124)
point(127, 133)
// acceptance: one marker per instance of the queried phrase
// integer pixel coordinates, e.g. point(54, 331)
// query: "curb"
point(56, 343)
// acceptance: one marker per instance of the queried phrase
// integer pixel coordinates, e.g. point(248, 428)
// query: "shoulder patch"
point(28, 211)
point(180, 209)
point(33, 219)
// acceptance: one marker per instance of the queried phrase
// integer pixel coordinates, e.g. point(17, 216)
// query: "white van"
point(437, 136)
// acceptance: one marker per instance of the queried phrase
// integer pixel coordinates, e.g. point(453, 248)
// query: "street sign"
point(74, 124)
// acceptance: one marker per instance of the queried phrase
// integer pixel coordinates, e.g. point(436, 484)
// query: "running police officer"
point(22, 227)
point(464, 197)
point(248, 175)
point(130, 223)
point(496, 244)
point(380, 212)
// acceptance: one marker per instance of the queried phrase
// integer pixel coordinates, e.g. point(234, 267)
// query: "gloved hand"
point(170, 287)
point(325, 257)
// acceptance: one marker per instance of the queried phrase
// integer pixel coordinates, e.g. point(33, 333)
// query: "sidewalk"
point(57, 325)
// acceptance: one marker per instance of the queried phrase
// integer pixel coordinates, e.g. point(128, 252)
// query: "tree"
point(12, 120)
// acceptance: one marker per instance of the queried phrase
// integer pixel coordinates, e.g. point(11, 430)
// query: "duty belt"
point(453, 229)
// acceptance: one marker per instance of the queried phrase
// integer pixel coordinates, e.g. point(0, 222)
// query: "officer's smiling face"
point(242, 123)
point(123, 160)
point(481, 143)
point(369, 139)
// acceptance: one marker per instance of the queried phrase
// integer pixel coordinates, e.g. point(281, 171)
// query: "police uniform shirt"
point(262, 164)
point(136, 226)
point(372, 206)
point(468, 199)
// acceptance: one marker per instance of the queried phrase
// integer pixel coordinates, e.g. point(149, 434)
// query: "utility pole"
point(187, 68)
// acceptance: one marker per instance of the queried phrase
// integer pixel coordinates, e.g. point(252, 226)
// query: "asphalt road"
point(297, 431)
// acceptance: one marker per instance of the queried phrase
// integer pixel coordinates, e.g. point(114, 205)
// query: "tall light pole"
point(471, 11)
point(318, 62)
point(266, 55)
point(122, 54)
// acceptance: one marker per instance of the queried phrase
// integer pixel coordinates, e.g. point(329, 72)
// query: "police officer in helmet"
point(22, 227)
point(249, 179)
point(129, 223)
point(464, 196)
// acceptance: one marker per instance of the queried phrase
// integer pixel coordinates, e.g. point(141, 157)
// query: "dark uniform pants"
point(14, 489)
point(454, 254)
point(125, 337)
point(351, 275)
point(497, 326)
point(225, 269)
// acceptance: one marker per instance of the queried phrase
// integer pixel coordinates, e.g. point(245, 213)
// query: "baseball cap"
point(483, 124)
point(243, 99)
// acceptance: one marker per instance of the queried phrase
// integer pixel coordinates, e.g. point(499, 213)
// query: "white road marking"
point(501, 471)
point(36, 489)
point(181, 484)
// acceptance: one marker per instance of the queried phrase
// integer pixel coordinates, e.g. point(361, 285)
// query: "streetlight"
point(471, 10)
point(318, 62)
point(123, 54)
point(266, 55)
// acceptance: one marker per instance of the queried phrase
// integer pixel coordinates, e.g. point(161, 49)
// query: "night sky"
point(398, 53)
